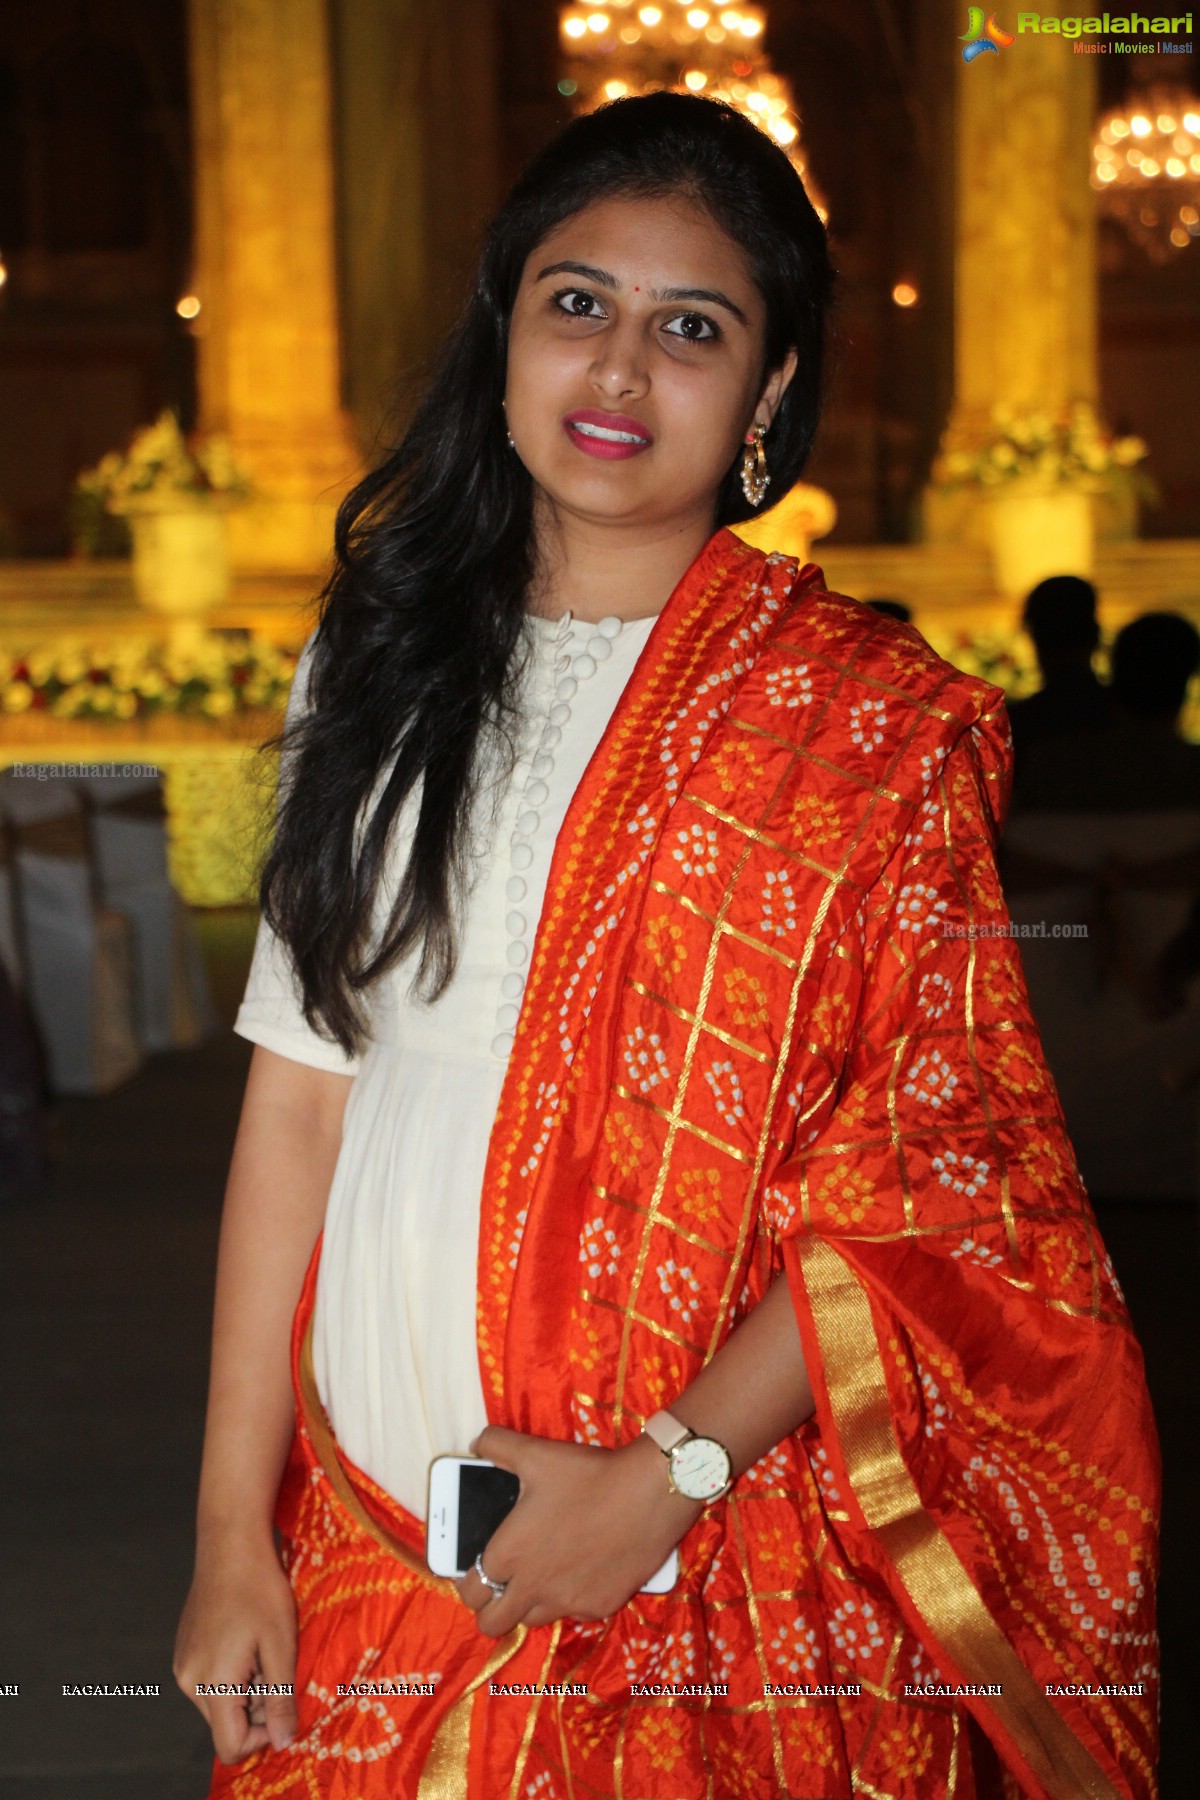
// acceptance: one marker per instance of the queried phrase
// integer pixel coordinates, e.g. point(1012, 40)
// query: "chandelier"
point(1146, 169)
point(612, 48)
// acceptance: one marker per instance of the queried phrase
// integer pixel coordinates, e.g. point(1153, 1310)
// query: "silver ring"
point(497, 1587)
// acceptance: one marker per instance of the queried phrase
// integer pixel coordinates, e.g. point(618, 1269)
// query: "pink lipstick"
point(611, 436)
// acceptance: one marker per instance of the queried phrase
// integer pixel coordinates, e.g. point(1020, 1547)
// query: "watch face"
point(700, 1468)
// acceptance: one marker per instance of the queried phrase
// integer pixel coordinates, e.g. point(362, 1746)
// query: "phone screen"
point(485, 1496)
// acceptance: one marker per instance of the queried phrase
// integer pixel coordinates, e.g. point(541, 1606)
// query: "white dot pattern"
point(575, 651)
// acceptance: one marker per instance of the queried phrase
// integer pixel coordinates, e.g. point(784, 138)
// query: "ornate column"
point(266, 269)
point(1025, 277)
point(419, 151)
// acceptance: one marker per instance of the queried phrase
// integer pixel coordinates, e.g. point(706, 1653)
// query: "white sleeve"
point(271, 1012)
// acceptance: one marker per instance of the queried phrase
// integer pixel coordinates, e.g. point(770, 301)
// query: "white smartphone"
point(468, 1498)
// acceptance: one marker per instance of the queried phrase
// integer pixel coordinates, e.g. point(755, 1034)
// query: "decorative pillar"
point(418, 174)
point(1025, 271)
point(266, 270)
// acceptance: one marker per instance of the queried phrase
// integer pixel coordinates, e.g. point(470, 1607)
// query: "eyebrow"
point(603, 279)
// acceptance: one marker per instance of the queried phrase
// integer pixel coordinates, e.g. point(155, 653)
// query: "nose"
point(619, 369)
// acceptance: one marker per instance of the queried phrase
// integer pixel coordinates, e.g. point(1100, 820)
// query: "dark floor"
point(104, 1314)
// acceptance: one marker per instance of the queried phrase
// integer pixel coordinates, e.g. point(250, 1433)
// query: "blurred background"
point(232, 234)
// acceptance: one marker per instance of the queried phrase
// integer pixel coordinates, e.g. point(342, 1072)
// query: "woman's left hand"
point(589, 1528)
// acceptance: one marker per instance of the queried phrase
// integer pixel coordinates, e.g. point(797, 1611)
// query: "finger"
point(473, 1592)
point(502, 1613)
point(233, 1735)
point(278, 1657)
point(497, 1444)
point(472, 1588)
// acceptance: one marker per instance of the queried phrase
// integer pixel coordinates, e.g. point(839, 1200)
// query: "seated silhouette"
point(1132, 757)
point(1060, 618)
point(1101, 861)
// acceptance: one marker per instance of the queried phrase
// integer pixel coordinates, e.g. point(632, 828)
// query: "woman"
point(648, 1054)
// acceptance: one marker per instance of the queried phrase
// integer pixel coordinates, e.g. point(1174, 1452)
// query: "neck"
point(597, 570)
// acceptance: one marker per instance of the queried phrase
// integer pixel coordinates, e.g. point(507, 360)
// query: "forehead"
point(667, 241)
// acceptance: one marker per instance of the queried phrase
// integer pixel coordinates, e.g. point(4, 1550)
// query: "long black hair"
point(417, 656)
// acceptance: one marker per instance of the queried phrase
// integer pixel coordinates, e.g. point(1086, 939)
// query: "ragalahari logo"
point(983, 37)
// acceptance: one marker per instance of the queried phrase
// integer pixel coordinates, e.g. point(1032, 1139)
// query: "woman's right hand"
point(239, 1626)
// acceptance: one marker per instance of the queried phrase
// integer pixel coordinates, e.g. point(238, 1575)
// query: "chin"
point(617, 493)
point(612, 508)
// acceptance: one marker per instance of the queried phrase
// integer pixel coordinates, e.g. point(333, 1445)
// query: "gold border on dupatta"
point(923, 1556)
point(444, 1775)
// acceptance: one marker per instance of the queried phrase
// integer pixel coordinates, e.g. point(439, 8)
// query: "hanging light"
point(712, 49)
point(1146, 169)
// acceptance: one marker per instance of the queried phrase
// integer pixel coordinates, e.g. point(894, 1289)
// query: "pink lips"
point(606, 448)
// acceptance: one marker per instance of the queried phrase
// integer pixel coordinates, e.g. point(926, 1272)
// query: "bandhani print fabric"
point(774, 1027)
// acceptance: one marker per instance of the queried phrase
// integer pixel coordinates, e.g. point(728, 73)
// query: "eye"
point(579, 303)
point(698, 328)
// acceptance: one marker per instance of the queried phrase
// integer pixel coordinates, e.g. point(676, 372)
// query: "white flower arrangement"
point(137, 678)
point(163, 468)
point(1072, 449)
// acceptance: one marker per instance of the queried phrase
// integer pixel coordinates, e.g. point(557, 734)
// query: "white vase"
point(1038, 531)
point(180, 560)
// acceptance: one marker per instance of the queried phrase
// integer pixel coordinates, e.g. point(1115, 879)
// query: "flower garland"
point(137, 678)
point(226, 677)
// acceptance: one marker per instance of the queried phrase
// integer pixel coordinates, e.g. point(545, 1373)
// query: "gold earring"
point(755, 479)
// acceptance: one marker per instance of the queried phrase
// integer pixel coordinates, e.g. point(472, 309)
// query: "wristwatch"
point(697, 1467)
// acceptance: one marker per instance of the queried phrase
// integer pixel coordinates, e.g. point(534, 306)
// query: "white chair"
point(1129, 1082)
point(77, 953)
point(127, 815)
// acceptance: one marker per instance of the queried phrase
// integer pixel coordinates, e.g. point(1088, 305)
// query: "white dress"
point(394, 1338)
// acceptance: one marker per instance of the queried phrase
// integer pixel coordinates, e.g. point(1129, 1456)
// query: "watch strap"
point(666, 1431)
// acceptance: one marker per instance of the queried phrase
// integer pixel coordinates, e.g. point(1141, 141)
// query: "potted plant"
point(175, 494)
point(1041, 476)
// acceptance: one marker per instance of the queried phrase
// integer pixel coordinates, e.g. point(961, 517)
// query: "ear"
point(776, 385)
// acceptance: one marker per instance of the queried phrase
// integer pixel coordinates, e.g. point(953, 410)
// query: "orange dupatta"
point(763, 1032)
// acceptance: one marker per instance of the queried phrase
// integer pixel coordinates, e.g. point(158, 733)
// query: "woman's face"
point(635, 350)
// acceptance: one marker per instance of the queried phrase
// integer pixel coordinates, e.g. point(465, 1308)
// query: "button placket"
point(568, 669)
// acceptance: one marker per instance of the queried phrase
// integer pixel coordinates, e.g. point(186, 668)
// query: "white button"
point(507, 1016)
point(558, 715)
point(517, 954)
point(542, 765)
point(513, 986)
point(515, 888)
point(503, 1044)
point(515, 923)
point(610, 627)
point(583, 666)
point(527, 824)
point(520, 856)
point(599, 649)
point(537, 793)
point(551, 737)
point(567, 688)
